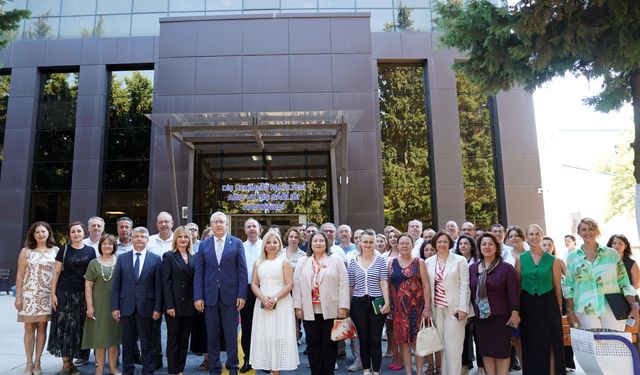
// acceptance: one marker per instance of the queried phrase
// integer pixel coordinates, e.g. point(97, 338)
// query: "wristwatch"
point(275, 299)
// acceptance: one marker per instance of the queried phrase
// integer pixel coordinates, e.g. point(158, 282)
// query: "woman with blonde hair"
point(33, 290)
point(177, 288)
point(274, 345)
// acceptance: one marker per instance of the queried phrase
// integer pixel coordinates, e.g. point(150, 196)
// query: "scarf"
point(481, 293)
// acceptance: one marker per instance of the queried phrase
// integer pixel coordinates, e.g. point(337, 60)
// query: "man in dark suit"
point(137, 299)
point(220, 291)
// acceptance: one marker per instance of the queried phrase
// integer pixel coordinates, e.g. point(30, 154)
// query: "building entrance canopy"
point(248, 131)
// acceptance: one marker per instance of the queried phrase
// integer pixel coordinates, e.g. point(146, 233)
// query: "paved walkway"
point(12, 358)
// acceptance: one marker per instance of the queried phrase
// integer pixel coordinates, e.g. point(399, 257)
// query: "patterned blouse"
point(587, 282)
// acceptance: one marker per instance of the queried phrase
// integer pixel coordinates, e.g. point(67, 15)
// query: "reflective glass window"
point(15, 4)
point(261, 4)
point(186, 6)
point(53, 149)
point(311, 10)
point(420, 19)
point(478, 159)
point(405, 151)
point(337, 3)
point(146, 24)
point(381, 19)
point(224, 4)
point(150, 5)
point(42, 28)
point(44, 8)
point(298, 4)
point(78, 7)
point(413, 3)
point(5, 80)
point(374, 3)
point(116, 25)
point(125, 180)
point(114, 6)
point(186, 14)
point(77, 27)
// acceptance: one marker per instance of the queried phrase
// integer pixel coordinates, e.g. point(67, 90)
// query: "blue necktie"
point(136, 266)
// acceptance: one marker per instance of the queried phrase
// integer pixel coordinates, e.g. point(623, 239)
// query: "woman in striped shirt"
point(449, 277)
point(368, 276)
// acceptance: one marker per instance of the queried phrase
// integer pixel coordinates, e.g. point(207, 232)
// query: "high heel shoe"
point(36, 368)
point(28, 369)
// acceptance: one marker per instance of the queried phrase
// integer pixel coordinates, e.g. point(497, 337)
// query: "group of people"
point(504, 290)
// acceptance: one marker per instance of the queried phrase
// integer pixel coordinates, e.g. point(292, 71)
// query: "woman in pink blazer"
point(320, 295)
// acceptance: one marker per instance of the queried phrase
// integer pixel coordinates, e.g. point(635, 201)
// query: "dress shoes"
point(246, 367)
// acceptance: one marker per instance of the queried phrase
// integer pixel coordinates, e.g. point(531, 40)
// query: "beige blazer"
point(334, 287)
point(456, 283)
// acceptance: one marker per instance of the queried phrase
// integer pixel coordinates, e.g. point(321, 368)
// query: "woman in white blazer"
point(320, 295)
point(449, 278)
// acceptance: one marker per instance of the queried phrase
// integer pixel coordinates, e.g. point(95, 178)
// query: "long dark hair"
point(31, 243)
point(327, 245)
point(474, 248)
point(627, 246)
point(495, 241)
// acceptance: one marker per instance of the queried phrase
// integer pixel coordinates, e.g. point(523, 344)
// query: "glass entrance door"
point(281, 188)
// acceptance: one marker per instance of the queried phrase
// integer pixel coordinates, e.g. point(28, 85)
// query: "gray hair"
point(140, 230)
point(93, 218)
point(218, 213)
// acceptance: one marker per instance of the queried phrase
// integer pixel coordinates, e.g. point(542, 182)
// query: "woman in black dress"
point(68, 300)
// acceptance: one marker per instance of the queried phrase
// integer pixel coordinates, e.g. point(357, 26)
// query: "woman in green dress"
point(101, 331)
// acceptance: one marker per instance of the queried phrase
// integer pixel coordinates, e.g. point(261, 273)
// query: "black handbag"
point(619, 305)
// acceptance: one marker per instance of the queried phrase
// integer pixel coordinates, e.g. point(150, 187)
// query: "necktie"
point(136, 265)
point(219, 245)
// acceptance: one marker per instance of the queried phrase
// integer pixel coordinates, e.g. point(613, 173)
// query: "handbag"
point(619, 305)
point(428, 340)
point(342, 329)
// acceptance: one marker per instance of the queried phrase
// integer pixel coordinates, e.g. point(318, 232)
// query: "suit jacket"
point(456, 282)
point(224, 282)
point(334, 287)
point(177, 284)
point(143, 293)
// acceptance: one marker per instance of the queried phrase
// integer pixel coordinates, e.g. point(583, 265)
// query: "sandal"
point(28, 369)
point(37, 370)
point(204, 366)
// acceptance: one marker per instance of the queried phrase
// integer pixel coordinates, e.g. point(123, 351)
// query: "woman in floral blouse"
point(593, 271)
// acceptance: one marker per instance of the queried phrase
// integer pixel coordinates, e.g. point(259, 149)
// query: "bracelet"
point(635, 305)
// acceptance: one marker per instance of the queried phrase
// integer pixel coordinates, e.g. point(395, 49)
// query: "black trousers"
point(369, 326)
point(133, 327)
point(321, 350)
point(178, 331)
point(246, 320)
point(156, 340)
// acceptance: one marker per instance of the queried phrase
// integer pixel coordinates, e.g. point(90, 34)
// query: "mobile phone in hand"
point(631, 322)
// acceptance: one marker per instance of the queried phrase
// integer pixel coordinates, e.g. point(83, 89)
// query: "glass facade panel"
point(115, 25)
point(413, 3)
point(15, 4)
point(298, 4)
point(261, 4)
point(146, 24)
point(144, 6)
point(478, 159)
point(5, 80)
point(186, 14)
point(53, 151)
point(78, 7)
point(125, 180)
point(77, 27)
point(186, 6)
point(405, 151)
point(224, 4)
point(42, 28)
point(381, 19)
point(374, 3)
point(114, 6)
point(421, 19)
point(337, 4)
point(44, 8)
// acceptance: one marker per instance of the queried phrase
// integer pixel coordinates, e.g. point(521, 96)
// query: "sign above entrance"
point(264, 197)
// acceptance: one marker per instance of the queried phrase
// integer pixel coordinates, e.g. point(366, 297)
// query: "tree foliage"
point(9, 22)
point(535, 41)
point(403, 21)
point(622, 189)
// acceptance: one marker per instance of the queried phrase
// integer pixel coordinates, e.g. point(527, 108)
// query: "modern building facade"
point(287, 110)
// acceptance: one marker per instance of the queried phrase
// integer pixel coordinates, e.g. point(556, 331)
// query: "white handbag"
point(428, 340)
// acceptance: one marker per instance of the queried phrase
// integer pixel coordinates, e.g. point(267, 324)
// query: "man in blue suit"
point(220, 291)
point(136, 300)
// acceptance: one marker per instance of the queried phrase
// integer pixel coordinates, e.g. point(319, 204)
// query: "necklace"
point(102, 272)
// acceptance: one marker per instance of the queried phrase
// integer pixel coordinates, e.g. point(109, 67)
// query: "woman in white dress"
point(274, 345)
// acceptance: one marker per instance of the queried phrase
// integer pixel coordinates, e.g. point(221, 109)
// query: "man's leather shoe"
point(245, 368)
point(158, 365)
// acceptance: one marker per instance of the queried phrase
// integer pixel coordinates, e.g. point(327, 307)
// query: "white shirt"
point(123, 248)
point(215, 246)
point(87, 241)
point(143, 254)
point(335, 249)
point(415, 252)
point(159, 246)
point(251, 254)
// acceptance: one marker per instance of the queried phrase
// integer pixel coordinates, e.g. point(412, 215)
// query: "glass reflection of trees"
point(478, 159)
point(405, 151)
point(125, 178)
point(53, 151)
point(4, 101)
